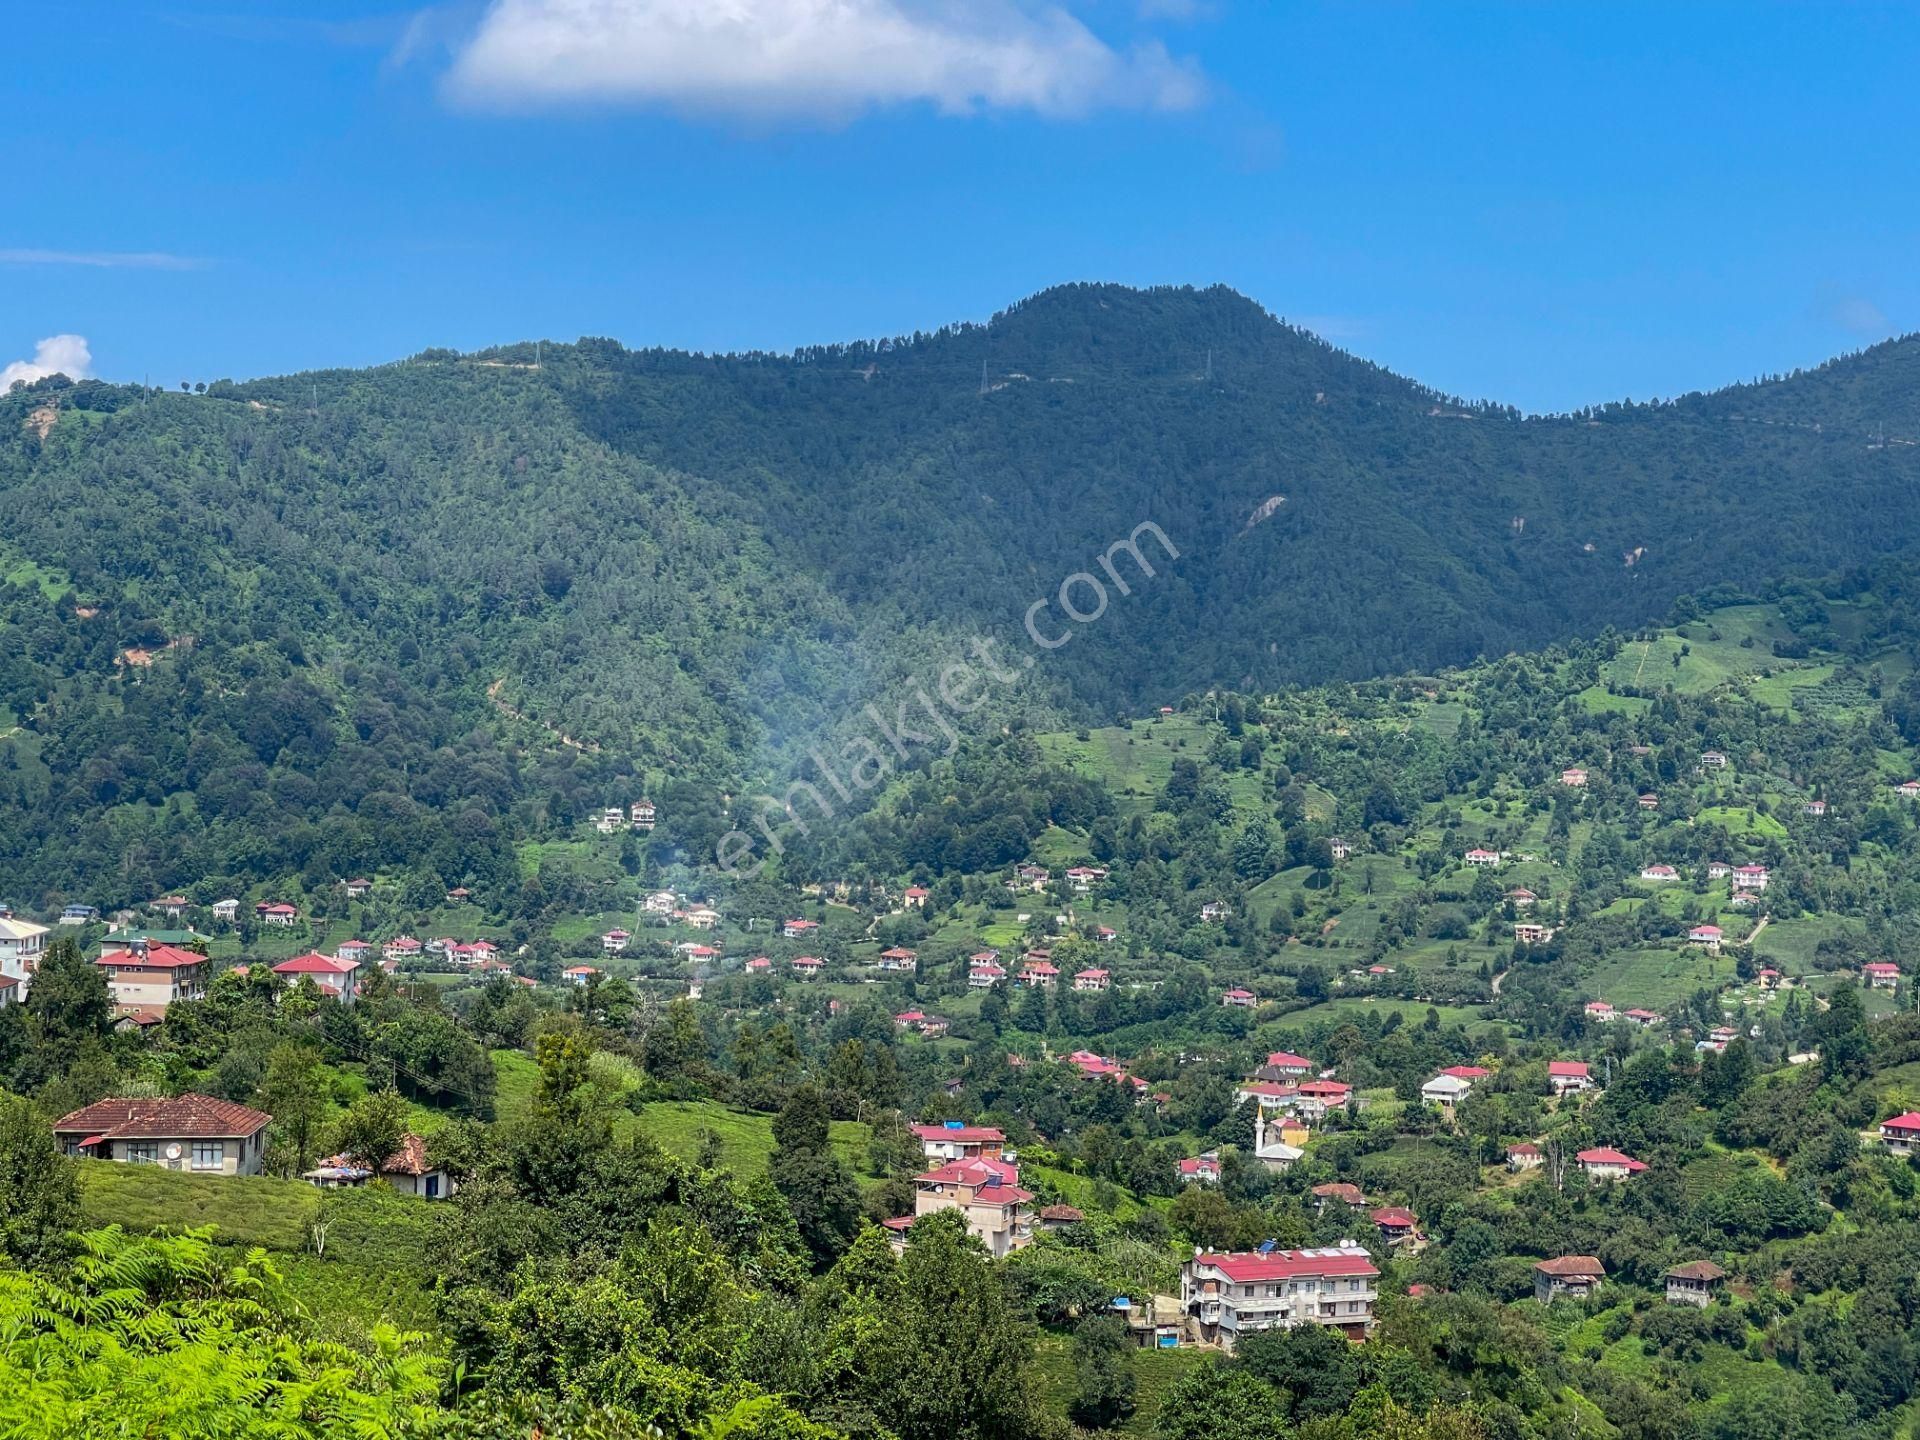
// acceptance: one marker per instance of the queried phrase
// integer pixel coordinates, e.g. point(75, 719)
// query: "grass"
point(1740, 821)
point(1789, 945)
point(746, 1139)
point(1154, 1374)
point(1655, 977)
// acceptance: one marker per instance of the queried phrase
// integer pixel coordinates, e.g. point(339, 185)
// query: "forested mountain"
point(362, 604)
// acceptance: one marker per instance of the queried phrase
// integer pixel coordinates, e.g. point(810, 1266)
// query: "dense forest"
point(428, 610)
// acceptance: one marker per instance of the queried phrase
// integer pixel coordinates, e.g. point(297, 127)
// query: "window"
point(209, 1155)
point(143, 1152)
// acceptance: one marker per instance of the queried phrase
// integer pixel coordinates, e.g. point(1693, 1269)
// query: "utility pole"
point(1209, 364)
point(983, 374)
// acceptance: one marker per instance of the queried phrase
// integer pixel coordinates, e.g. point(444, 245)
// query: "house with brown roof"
point(1693, 1283)
point(1567, 1277)
point(195, 1133)
point(407, 1170)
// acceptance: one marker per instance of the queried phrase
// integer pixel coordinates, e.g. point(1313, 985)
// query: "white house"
point(1901, 1134)
point(22, 943)
point(1483, 859)
point(1568, 1077)
point(1214, 911)
point(641, 815)
point(1705, 936)
point(578, 975)
point(615, 942)
point(227, 910)
point(660, 902)
point(1091, 980)
point(1605, 1163)
point(1659, 874)
point(1231, 1295)
point(338, 978)
point(1750, 877)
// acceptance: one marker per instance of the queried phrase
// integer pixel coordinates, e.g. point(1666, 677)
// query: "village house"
point(1750, 877)
point(355, 952)
point(1659, 874)
point(985, 975)
point(1058, 1217)
point(665, 902)
point(1645, 1019)
point(1744, 900)
point(615, 942)
point(611, 819)
point(1815, 808)
point(699, 918)
point(407, 1171)
point(1605, 1163)
point(808, 967)
point(1286, 1063)
point(1707, 937)
point(1339, 1192)
point(696, 952)
point(1524, 1156)
point(1231, 1295)
point(897, 959)
point(338, 978)
point(578, 975)
point(1574, 776)
point(1446, 1090)
point(358, 889)
point(1105, 934)
point(171, 907)
point(1693, 1283)
point(1318, 1097)
point(1340, 849)
point(1648, 801)
point(1712, 760)
point(1599, 1010)
point(1768, 979)
point(459, 895)
point(997, 1211)
point(1245, 999)
point(1267, 1094)
point(1901, 1134)
point(955, 1140)
point(1526, 932)
point(195, 1133)
point(401, 947)
point(1214, 911)
point(130, 939)
point(759, 965)
point(1396, 1224)
point(22, 943)
point(1881, 974)
point(1379, 972)
point(1569, 1277)
point(1908, 789)
point(1200, 1169)
point(1039, 973)
point(148, 978)
point(1483, 859)
point(226, 911)
point(1521, 898)
point(1091, 980)
point(799, 929)
point(79, 915)
point(1718, 869)
point(1568, 1077)
point(641, 815)
point(276, 913)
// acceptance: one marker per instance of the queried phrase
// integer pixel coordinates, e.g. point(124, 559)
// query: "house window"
point(142, 1152)
point(209, 1155)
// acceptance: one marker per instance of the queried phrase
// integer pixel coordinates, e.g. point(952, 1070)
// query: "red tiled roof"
point(1287, 1060)
point(1340, 1190)
point(972, 1134)
point(181, 1118)
point(1607, 1155)
point(1466, 1072)
point(314, 963)
point(1395, 1217)
point(157, 957)
point(1572, 1069)
point(1908, 1121)
point(409, 1159)
point(1289, 1264)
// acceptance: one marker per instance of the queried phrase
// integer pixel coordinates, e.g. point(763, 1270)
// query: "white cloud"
point(101, 259)
point(812, 59)
point(56, 355)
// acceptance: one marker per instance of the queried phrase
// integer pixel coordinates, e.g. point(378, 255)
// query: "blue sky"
point(1547, 205)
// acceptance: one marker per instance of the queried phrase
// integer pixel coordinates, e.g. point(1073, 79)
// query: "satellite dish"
point(173, 1151)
